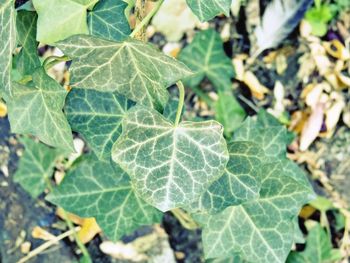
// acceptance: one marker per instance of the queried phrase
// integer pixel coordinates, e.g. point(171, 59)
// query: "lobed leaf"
point(35, 166)
point(36, 109)
point(132, 68)
point(97, 116)
point(260, 230)
point(100, 189)
point(206, 58)
point(207, 9)
point(8, 44)
point(106, 20)
point(170, 166)
point(28, 59)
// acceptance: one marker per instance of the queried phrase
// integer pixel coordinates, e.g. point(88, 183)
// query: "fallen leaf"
point(333, 115)
point(120, 250)
point(3, 109)
point(257, 89)
point(298, 120)
point(312, 127)
point(72, 217)
point(25, 247)
point(41, 233)
point(336, 49)
point(89, 229)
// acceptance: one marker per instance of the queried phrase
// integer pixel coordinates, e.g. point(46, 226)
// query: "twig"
point(48, 244)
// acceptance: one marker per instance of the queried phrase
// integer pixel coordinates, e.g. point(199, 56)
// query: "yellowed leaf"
point(3, 109)
point(41, 233)
point(89, 229)
point(74, 218)
point(257, 89)
point(336, 49)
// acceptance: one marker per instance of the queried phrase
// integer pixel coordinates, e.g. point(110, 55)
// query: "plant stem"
point(140, 26)
point(185, 219)
point(51, 61)
point(48, 244)
point(181, 102)
point(70, 225)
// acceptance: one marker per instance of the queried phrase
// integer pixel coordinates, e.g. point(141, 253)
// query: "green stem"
point(70, 225)
point(147, 19)
point(181, 102)
point(51, 61)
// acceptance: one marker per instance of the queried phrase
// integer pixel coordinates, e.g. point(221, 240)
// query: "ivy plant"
point(144, 157)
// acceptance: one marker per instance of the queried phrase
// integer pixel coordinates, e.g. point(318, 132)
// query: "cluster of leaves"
point(244, 192)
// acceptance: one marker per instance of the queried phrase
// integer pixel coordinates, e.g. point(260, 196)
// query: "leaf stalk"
point(181, 102)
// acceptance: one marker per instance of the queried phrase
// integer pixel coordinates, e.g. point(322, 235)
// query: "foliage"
point(144, 158)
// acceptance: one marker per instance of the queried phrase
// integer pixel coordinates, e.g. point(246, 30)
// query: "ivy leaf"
point(260, 230)
point(240, 181)
point(50, 13)
point(132, 68)
point(207, 9)
point(170, 109)
point(318, 249)
point(97, 117)
point(229, 112)
point(171, 166)
point(272, 137)
point(37, 109)
point(99, 189)
point(8, 44)
point(206, 58)
point(28, 59)
point(35, 166)
point(106, 21)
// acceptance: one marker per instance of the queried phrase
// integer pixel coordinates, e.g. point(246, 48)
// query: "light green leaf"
point(59, 19)
point(318, 249)
point(171, 166)
point(132, 68)
point(206, 58)
point(106, 20)
point(35, 166)
point(28, 59)
point(37, 109)
point(102, 190)
point(8, 44)
point(207, 9)
point(97, 117)
point(240, 181)
point(229, 112)
point(261, 230)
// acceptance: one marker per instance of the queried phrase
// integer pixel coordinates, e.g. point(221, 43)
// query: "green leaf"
point(229, 112)
point(207, 9)
point(37, 109)
point(132, 68)
point(318, 249)
point(170, 109)
point(273, 139)
point(59, 19)
point(97, 117)
point(102, 190)
point(206, 58)
point(35, 166)
point(106, 20)
point(240, 181)
point(28, 59)
point(8, 44)
point(171, 166)
point(260, 230)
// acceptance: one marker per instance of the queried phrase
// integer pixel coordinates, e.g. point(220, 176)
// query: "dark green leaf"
point(97, 116)
point(206, 58)
point(35, 166)
point(28, 59)
point(207, 9)
point(102, 190)
point(107, 21)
